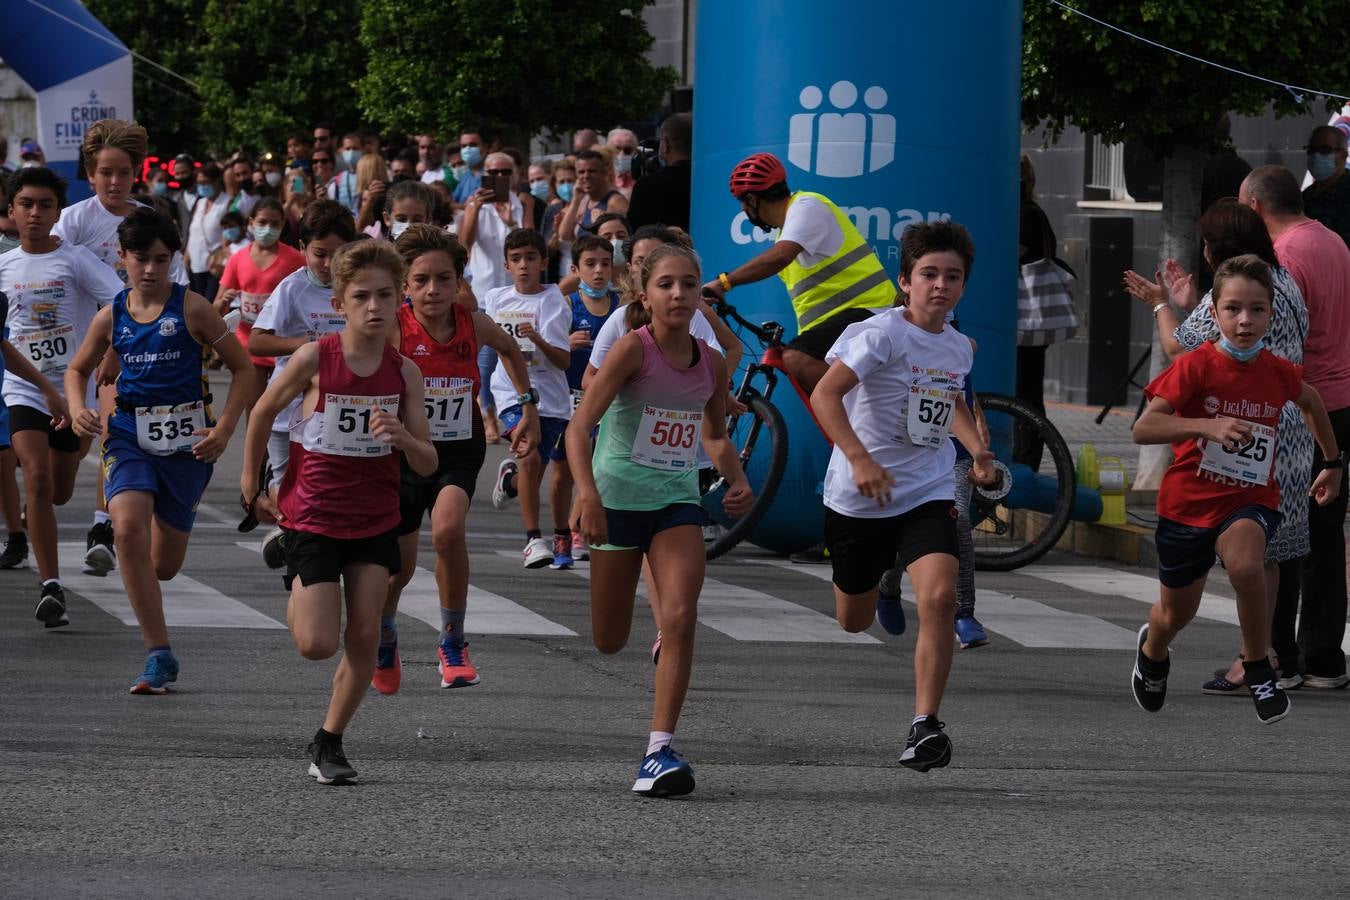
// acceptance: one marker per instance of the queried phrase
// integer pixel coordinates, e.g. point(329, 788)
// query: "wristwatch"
point(1337, 463)
point(531, 396)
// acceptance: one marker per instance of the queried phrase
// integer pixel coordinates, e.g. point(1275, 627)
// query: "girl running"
point(640, 496)
point(442, 337)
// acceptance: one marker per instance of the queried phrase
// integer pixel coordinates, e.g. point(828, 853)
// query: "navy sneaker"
point(328, 764)
point(890, 614)
point(970, 632)
point(1149, 679)
point(664, 774)
point(1272, 703)
point(161, 670)
point(926, 747)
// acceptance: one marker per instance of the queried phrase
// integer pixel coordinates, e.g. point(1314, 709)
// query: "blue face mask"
point(206, 191)
point(309, 274)
point(594, 293)
point(565, 191)
point(1321, 166)
point(351, 158)
point(539, 189)
point(232, 234)
point(471, 155)
point(159, 188)
point(1238, 353)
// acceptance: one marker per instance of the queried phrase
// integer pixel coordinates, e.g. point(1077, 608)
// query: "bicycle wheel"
point(1019, 520)
point(760, 436)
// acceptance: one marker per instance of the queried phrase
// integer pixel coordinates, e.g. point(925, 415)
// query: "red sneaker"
point(454, 666)
point(388, 670)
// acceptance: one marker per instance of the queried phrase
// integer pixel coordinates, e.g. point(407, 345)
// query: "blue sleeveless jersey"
point(161, 361)
point(584, 318)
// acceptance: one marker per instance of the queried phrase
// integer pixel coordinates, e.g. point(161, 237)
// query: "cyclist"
point(832, 274)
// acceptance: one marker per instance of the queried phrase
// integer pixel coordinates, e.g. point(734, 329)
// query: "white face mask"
point(273, 178)
point(397, 228)
point(623, 163)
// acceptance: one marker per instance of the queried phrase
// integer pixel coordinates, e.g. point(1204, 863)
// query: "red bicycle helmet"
point(757, 172)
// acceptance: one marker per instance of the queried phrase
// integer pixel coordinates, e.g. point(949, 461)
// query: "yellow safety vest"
point(851, 279)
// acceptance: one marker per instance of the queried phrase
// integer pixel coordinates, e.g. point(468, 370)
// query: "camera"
point(647, 160)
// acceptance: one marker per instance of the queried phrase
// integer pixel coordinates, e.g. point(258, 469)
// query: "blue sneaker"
point(562, 552)
point(161, 670)
point(970, 632)
point(664, 774)
point(890, 614)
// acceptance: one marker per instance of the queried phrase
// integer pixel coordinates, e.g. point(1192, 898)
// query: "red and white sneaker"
point(454, 666)
point(388, 670)
point(580, 551)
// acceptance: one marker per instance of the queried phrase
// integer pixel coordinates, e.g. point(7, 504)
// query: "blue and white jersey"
point(161, 362)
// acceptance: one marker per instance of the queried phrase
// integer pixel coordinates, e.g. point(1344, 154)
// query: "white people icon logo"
point(842, 143)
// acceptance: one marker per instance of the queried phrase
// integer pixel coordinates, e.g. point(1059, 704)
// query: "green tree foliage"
point(165, 31)
point(511, 66)
point(270, 69)
point(1076, 71)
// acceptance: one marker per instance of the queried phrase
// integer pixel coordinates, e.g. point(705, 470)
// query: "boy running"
point(162, 440)
point(54, 288)
point(339, 503)
point(889, 495)
point(537, 316)
point(299, 311)
point(442, 337)
point(592, 304)
point(1219, 407)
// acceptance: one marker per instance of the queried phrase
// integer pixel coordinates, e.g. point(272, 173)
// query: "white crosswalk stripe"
point(749, 615)
point(1027, 622)
point(187, 603)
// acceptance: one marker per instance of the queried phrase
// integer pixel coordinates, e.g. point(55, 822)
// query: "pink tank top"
point(342, 482)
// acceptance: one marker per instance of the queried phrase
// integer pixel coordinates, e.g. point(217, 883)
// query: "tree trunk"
point(1182, 173)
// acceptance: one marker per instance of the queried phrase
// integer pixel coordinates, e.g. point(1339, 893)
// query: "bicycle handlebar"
point(769, 333)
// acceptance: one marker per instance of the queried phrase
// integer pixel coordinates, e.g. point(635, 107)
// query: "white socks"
point(657, 740)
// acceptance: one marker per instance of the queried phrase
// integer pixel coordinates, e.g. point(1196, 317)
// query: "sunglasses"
point(321, 160)
point(500, 171)
point(1322, 149)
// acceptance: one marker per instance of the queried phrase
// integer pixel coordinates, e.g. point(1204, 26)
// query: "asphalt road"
point(1059, 784)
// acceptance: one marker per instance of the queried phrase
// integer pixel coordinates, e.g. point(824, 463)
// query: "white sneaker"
point(501, 499)
point(580, 550)
point(1326, 682)
point(537, 553)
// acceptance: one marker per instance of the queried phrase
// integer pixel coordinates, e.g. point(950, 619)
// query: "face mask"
point(1321, 166)
point(297, 185)
point(206, 191)
point(619, 258)
point(159, 188)
point(232, 235)
point(460, 172)
point(539, 189)
point(1238, 353)
point(472, 156)
point(266, 235)
point(309, 274)
point(273, 178)
point(397, 228)
point(623, 163)
point(565, 191)
point(29, 164)
point(594, 293)
point(351, 158)
point(756, 221)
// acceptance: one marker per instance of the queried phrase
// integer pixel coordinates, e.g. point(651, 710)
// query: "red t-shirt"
point(256, 285)
point(1207, 383)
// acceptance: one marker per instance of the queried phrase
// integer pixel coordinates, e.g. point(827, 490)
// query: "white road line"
point(1135, 586)
point(748, 615)
point(187, 603)
point(1024, 621)
point(488, 613)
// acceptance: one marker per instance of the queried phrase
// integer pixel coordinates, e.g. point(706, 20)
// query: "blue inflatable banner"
point(899, 113)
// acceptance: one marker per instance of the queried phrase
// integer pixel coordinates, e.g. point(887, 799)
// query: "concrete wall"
point(18, 112)
point(1059, 189)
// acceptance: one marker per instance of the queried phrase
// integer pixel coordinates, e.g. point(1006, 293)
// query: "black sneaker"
point(51, 608)
point(328, 765)
point(1149, 679)
point(812, 555)
point(16, 551)
point(274, 549)
point(927, 747)
point(100, 557)
point(1272, 703)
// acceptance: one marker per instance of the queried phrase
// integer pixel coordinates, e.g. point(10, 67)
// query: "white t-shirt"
point(433, 175)
point(52, 299)
point(811, 224)
point(487, 263)
point(891, 358)
point(298, 307)
point(204, 234)
point(89, 224)
point(551, 315)
point(616, 326)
